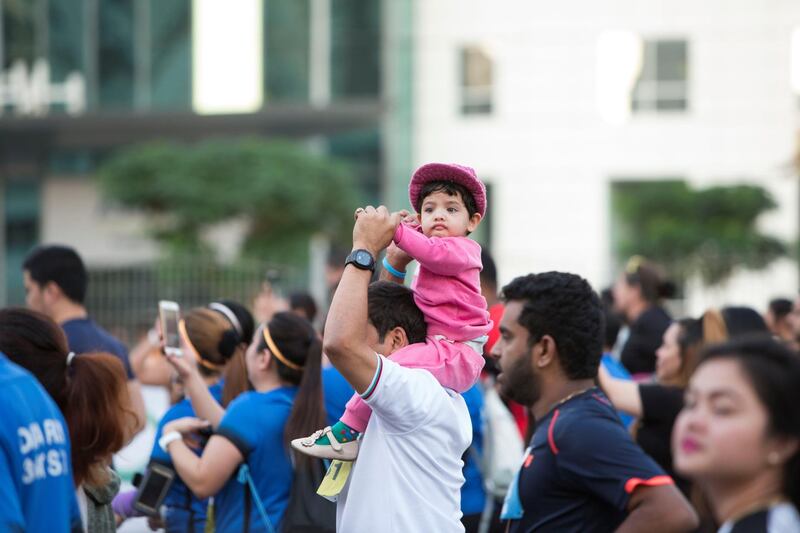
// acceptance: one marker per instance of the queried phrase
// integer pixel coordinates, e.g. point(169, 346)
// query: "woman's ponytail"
point(300, 347)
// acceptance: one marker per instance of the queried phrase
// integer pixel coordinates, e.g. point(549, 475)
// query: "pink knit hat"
point(464, 176)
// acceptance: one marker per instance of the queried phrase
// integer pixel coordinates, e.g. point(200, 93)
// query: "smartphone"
point(169, 312)
point(154, 486)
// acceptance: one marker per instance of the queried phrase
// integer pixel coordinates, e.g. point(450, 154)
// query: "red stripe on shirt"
point(550, 439)
point(634, 482)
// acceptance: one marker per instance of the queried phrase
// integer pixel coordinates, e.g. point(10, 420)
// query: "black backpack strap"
point(190, 525)
point(247, 504)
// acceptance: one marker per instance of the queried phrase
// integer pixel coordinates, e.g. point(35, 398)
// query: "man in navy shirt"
point(582, 471)
point(36, 490)
point(55, 284)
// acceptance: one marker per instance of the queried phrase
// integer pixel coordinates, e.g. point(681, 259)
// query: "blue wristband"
point(393, 271)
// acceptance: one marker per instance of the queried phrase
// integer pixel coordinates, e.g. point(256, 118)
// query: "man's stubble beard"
point(521, 384)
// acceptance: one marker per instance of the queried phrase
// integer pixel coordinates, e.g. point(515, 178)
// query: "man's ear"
point(51, 292)
point(545, 352)
point(398, 338)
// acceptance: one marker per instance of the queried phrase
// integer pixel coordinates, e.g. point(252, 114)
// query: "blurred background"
point(196, 148)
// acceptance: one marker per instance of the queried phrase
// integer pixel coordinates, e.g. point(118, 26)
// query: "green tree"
point(709, 232)
point(286, 193)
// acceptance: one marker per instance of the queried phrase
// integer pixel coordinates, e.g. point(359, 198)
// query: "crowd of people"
point(450, 405)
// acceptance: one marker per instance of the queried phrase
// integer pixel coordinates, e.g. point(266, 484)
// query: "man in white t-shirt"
point(408, 474)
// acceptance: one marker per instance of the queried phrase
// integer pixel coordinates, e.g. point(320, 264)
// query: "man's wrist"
point(364, 246)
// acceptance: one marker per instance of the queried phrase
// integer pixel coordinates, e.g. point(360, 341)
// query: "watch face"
point(363, 258)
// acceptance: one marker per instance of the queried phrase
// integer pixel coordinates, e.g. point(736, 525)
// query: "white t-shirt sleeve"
point(403, 398)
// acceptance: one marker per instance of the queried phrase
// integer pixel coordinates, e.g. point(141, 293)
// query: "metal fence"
point(124, 299)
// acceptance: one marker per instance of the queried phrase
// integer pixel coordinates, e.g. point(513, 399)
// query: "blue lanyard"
point(245, 477)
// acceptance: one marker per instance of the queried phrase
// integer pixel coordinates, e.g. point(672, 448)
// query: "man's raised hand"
point(374, 228)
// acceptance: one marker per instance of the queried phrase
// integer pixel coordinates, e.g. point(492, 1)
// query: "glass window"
point(115, 63)
point(66, 27)
point(355, 49)
point(663, 82)
point(170, 54)
point(476, 81)
point(362, 149)
point(18, 32)
point(287, 50)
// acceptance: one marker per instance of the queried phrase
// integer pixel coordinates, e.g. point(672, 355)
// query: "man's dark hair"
point(780, 307)
point(489, 272)
point(450, 188)
point(305, 302)
point(565, 307)
point(392, 305)
point(60, 264)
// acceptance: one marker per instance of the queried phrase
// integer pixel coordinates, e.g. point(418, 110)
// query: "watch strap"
point(353, 259)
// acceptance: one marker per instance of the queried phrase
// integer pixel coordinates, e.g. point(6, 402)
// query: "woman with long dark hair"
point(738, 435)
point(283, 367)
point(91, 392)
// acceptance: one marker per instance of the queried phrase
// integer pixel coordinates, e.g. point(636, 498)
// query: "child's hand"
point(397, 257)
point(408, 218)
point(396, 218)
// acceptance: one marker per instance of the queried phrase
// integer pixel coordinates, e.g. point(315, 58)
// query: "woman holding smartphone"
point(216, 342)
point(283, 367)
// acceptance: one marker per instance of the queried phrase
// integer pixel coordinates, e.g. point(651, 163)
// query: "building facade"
point(557, 105)
point(80, 79)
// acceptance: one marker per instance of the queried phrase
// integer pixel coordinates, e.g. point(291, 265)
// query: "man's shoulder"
point(88, 336)
point(17, 381)
point(413, 393)
point(416, 377)
point(583, 421)
point(10, 371)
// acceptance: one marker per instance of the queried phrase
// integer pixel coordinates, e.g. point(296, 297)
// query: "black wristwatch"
point(361, 259)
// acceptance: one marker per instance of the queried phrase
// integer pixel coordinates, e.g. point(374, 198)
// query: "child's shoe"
point(337, 442)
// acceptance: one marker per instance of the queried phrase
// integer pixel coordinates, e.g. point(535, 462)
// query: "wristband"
point(167, 439)
point(393, 271)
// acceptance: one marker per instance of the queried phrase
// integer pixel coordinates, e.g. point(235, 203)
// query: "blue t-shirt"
point(36, 490)
point(618, 371)
point(337, 392)
point(473, 495)
point(179, 494)
point(84, 336)
point(254, 423)
point(580, 470)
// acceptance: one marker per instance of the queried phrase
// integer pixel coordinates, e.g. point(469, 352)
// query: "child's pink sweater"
point(448, 288)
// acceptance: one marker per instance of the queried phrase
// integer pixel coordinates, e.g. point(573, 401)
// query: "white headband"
point(225, 310)
point(70, 357)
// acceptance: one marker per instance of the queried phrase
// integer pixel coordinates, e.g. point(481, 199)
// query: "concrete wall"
point(551, 155)
point(73, 213)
